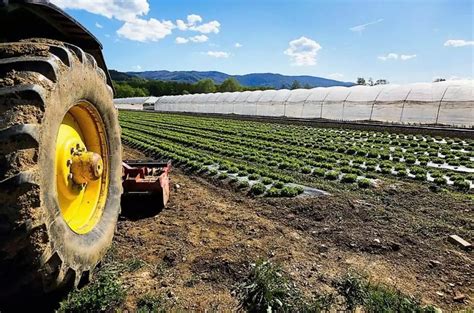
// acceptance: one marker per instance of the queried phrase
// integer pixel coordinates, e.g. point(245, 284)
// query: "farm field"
point(193, 255)
point(392, 231)
point(277, 160)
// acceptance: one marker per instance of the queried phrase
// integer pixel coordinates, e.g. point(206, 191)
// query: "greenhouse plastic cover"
point(137, 103)
point(448, 102)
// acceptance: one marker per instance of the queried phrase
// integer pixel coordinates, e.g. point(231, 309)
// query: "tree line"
point(138, 87)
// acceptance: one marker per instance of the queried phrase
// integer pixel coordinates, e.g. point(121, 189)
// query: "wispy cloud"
point(181, 40)
point(98, 25)
point(458, 43)
point(303, 51)
point(238, 45)
point(199, 38)
point(361, 28)
point(196, 39)
point(405, 57)
point(396, 56)
point(218, 54)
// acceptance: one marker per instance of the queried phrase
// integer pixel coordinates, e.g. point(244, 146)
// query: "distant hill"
point(252, 80)
point(119, 76)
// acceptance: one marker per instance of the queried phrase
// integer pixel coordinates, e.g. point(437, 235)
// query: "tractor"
point(61, 169)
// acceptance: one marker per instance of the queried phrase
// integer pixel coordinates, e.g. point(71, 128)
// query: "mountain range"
point(251, 80)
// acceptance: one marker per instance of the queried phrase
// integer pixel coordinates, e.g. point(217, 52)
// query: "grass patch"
point(358, 292)
point(134, 264)
point(267, 289)
point(151, 303)
point(104, 293)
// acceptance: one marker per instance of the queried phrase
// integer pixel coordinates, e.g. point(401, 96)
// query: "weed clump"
point(103, 294)
point(150, 303)
point(267, 289)
point(358, 292)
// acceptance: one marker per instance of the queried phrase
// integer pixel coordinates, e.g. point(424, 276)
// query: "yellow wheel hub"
point(81, 167)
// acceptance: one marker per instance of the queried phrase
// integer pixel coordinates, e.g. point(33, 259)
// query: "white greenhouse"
point(447, 103)
point(137, 103)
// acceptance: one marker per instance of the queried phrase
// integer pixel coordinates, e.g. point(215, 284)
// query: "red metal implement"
point(148, 178)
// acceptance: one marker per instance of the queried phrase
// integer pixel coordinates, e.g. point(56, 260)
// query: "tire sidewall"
point(80, 252)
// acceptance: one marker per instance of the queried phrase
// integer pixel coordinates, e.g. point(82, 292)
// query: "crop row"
point(299, 154)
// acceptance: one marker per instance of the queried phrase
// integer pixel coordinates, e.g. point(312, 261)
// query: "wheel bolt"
point(68, 163)
point(69, 176)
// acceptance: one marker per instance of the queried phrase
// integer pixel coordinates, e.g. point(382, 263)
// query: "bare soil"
point(202, 245)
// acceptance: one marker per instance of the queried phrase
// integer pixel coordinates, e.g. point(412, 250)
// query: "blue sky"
point(402, 41)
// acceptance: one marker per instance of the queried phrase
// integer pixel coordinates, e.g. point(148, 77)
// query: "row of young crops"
point(279, 159)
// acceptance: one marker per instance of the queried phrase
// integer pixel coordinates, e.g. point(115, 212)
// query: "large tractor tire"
point(60, 167)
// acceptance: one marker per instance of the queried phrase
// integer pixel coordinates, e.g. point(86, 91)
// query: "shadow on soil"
point(139, 206)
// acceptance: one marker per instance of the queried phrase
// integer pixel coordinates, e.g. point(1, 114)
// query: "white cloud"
point(193, 19)
point(98, 25)
point(336, 75)
point(218, 54)
point(238, 45)
point(121, 10)
point(137, 68)
point(181, 40)
point(196, 39)
point(361, 28)
point(135, 27)
point(389, 56)
point(458, 43)
point(145, 30)
point(396, 56)
point(199, 38)
point(181, 25)
point(303, 51)
point(207, 28)
point(405, 57)
point(193, 23)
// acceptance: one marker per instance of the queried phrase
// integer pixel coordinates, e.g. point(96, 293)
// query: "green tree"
point(125, 90)
point(229, 85)
point(205, 86)
point(381, 82)
point(360, 81)
point(295, 85)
